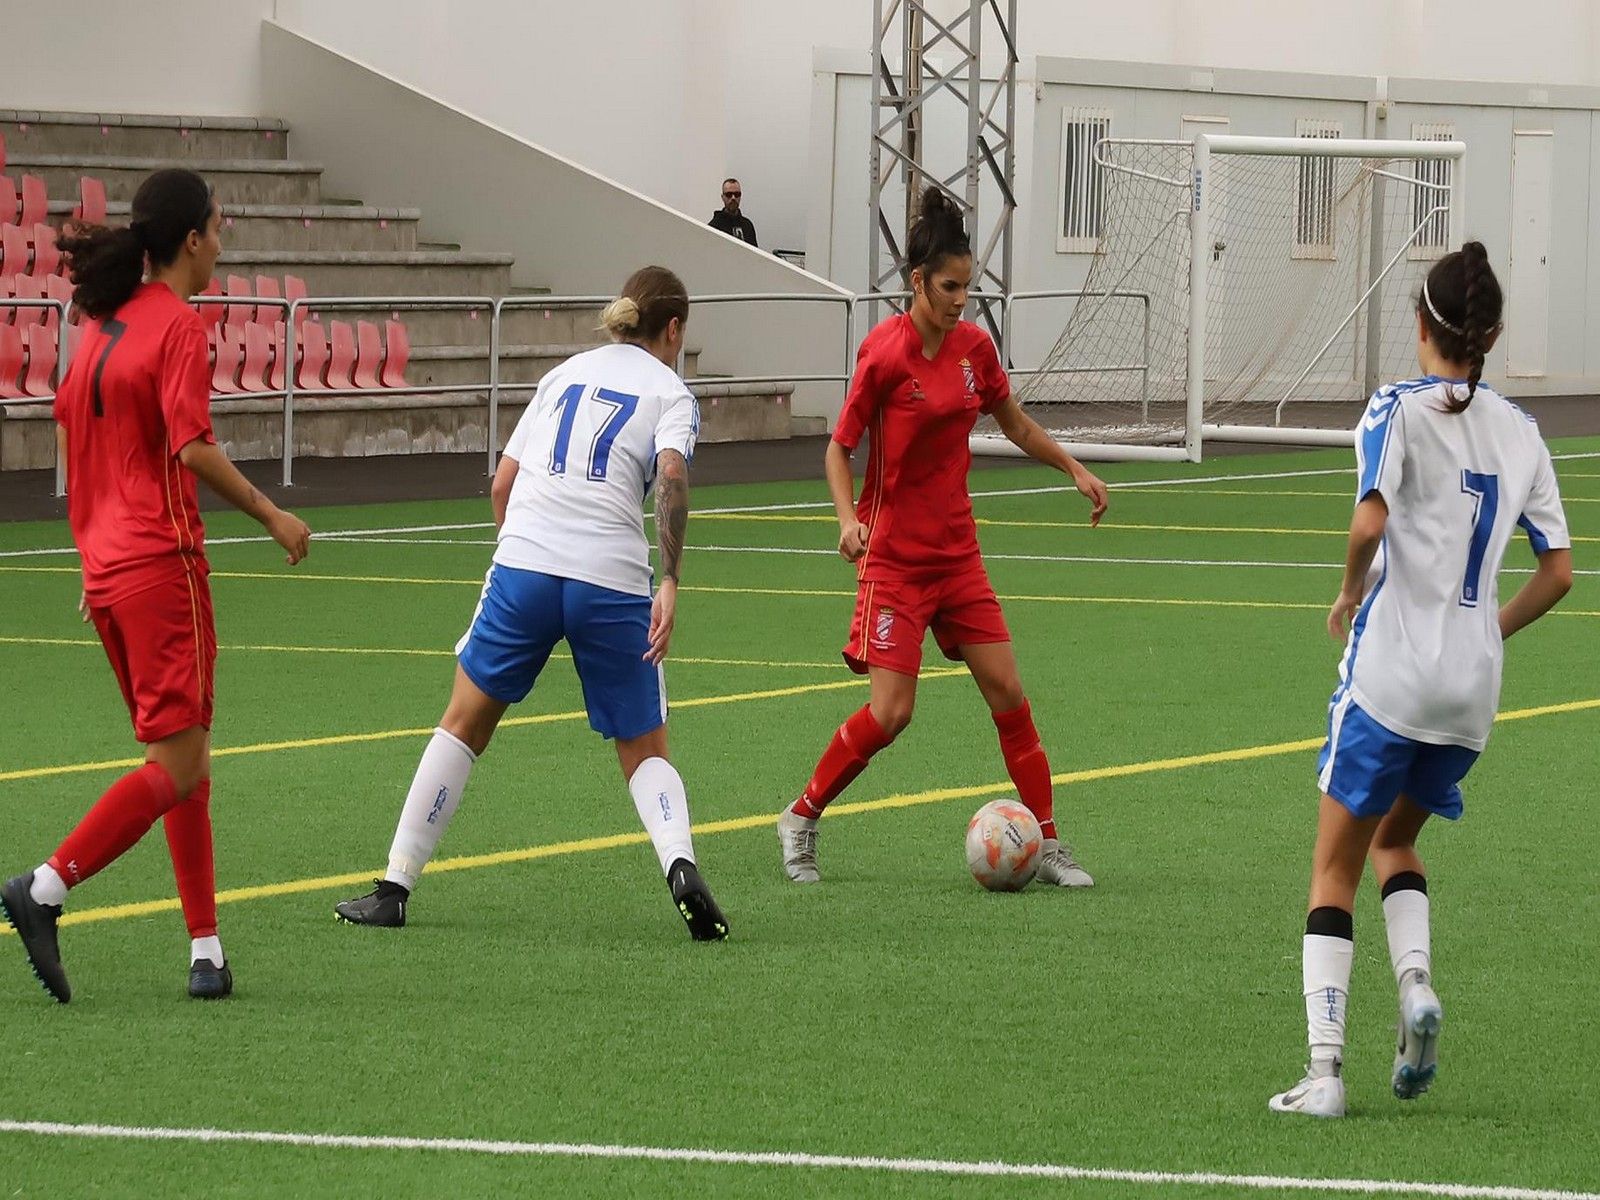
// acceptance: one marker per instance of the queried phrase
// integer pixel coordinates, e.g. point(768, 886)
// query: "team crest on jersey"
point(883, 628)
point(969, 377)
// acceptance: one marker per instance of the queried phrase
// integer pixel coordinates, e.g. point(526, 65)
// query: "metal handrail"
point(1143, 368)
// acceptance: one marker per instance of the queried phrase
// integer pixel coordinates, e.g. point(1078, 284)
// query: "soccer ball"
point(1003, 846)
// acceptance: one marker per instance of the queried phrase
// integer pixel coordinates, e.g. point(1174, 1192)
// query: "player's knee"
point(1007, 696)
point(893, 717)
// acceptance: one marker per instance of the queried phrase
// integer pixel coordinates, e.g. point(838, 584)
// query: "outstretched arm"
point(1028, 435)
point(210, 464)
point(672, 523)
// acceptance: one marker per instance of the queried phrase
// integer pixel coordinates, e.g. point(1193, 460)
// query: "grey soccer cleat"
point(1416, 1055)
point(1057, 867)
point(384, 905)
point(1319, 1094)
point(798, 838)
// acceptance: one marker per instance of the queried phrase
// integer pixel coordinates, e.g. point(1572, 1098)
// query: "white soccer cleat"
point(1057, 867)
point(798, 839)
point(1416, 1055)
point(1319, 1094)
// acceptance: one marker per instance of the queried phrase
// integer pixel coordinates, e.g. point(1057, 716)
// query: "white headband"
point(1428, 300)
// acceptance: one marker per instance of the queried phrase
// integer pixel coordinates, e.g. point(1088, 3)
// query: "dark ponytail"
point(938, 233)
point(106, 263)
point(1461, 303)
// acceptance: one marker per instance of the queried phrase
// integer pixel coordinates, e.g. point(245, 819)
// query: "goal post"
point(1277, 277)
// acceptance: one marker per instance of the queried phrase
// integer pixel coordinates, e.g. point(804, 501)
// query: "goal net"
point(1243, 288)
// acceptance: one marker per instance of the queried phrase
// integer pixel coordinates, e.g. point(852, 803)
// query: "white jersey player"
point(1448, 473)
point(572, 563)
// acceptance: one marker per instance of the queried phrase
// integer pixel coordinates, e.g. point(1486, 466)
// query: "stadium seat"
point(397, 343)
point(7, 315)
point(35, 202)
point(28, 287)
point(280, 357)
point(257, 358)
point(15, 254)
point(2, 153)
point(237, 316)
point(211, 314)
point(10, 201)
point(341, 355)
point(369, 356)
point(294, 288)
point(91, 207)
point(58, 287)
point(230, 358)
point(313, 356)
point(46, 254)
point(267, 288)
point(39, 377)
point(10, 362)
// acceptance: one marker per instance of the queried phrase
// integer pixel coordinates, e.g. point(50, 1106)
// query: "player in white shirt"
point(1448, 471)
point(572, 564)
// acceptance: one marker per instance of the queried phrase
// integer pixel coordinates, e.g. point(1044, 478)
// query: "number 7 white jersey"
point(586, 449)
point(1424, 654)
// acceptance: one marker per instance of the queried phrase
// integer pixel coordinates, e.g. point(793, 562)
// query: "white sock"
point(1325, 971)
point(207, 948)
point(434, 796)
point(48, 887)
point(663, 806)
point(1405, 915)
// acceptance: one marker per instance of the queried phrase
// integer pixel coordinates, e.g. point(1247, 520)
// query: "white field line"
point(837, 1162)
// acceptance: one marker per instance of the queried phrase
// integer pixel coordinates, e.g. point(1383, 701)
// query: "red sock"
point(188, 829)
point(1026, 764)
point(853, 744)
point(118, 819)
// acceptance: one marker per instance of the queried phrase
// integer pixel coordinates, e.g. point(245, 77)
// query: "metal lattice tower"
point(902, 101)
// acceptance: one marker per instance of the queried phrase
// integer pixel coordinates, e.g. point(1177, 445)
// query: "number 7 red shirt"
point(137, 392)
point(919, 413)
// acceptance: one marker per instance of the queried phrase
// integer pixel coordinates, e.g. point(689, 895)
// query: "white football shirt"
point(1424, 653)
point(586, 450)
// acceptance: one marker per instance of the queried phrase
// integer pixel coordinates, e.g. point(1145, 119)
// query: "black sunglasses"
point(732, 195)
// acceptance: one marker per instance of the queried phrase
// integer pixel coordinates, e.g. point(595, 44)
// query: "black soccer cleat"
point(693, 898)
point(384, 905)
point(36, 927)
point(207, 981)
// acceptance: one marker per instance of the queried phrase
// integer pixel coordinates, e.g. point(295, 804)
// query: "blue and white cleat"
point(1416, 1055)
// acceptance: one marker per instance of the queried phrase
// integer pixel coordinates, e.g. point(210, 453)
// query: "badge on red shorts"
point(883, 629)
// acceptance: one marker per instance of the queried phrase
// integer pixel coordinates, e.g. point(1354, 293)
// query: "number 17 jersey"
point(586, 449)
point(1424, 654)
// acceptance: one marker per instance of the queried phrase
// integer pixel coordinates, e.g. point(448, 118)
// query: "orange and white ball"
point(1003, 846)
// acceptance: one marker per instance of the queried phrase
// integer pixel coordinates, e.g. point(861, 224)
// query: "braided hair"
point(1461, 303)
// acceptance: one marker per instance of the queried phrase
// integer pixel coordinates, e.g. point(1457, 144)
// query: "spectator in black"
point(729, 219)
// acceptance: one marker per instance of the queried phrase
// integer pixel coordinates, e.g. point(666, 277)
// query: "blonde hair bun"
point(621, 317)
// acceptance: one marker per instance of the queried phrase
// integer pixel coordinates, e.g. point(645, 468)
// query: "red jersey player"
point(134, 425)
point(921, 380)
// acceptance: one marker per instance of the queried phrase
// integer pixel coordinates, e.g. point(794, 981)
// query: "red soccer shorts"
point(893, 616)
point(162, 643)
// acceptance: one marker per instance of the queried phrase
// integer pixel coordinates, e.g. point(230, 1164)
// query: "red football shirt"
point(138, 390)
point(920, 413)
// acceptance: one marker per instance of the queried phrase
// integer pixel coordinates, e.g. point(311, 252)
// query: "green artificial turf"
point(896, 1010)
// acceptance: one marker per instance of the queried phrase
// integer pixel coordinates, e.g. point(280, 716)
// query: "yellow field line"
point(384, 735)
point(591, 845)
point(384, 650)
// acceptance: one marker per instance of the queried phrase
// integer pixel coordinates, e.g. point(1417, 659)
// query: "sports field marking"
point(802, 1160)
point(591, 845)
point(384, 735)
point(380, 651)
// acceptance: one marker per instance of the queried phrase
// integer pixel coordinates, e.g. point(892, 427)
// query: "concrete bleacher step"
point(519, 364)
point(144, 136)
point(455, 327)
point(378, 272)
point(236, 180)
point(296, 226)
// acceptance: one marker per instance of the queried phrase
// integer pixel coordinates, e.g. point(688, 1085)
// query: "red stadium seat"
point(35, 202)
point(369, 355)
point(313, 357)
point(341, 355)
point(28, 287)
point(58, 287)
point(2, 153)
point(46, 254)
point(10, 362)
point(7, 315)
point(91, 208)
point(257, 358)
point(294, 288)
point(280, 357)
point(237, 316)
point(39, 378)
point(15, 254)
point(10, 201)
point(230, 358)
point(397, 354)
point(211, 314)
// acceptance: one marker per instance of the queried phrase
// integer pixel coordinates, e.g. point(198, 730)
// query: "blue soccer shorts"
point(523, 614)
point(1365, 766)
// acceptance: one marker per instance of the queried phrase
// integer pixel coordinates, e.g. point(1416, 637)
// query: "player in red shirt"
point(134, 428)
point(921, 381)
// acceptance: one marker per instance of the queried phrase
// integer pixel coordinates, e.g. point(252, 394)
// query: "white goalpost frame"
point(1196, 430)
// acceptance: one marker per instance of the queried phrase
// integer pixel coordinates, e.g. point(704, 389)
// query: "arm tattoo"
point(672, 511)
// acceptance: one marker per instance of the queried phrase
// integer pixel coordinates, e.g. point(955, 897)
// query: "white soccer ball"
point(1003, 846)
